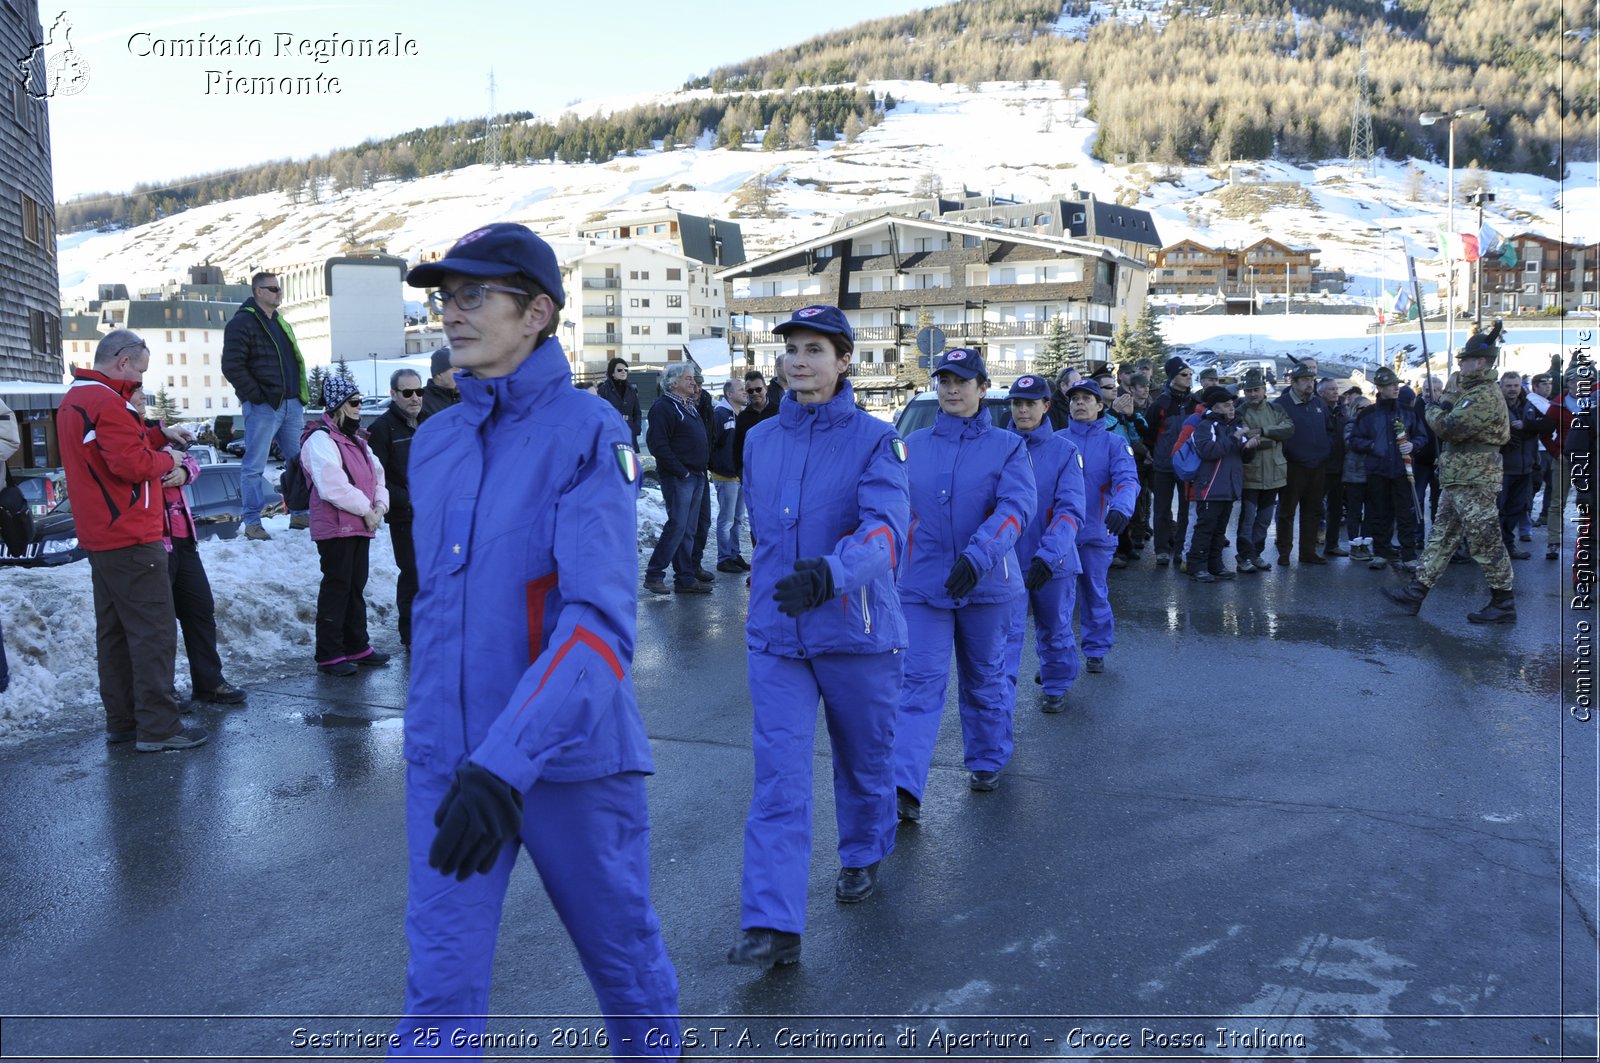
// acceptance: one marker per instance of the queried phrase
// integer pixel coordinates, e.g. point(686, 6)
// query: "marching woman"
point(826, 490)
point(1110, 488)
point(972, 493)
point(1048, 548)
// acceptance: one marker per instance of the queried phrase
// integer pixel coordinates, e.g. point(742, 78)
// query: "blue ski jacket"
point(1110, 479)
point(525, 498)
point(827, 480)
point(1052, 534)
point(972, 493)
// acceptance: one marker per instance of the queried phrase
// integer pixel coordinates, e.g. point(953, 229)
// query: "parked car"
point(215, 502)
point(207, 455)
point(43, 488)
point(920, 411)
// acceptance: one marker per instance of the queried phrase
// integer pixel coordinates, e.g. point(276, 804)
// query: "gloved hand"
point(1116, 520)
point(476, 818)
point(808, 586)
point(963, 577)
point(1038, 574)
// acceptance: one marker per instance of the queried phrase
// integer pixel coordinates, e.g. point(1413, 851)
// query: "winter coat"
point(1520, 455)
point(177, 521)
point(827, 481)
point(346, 480)
point(677, 438)
point(1167, 411)
point(1355, 464)
point(113, 474)
point(626, 403)
point(390, 439)
point(1267, 469)
point(1471, 425)
point(1222, 458)
point(1110, 480)
point(254, 363)
point(723, 419)
point(1052, 534)
point(972, 493)
point(1312, 441)
point(1333, 464)
point(10, 433)
point(1373, 436)
point(528, 583)
point(436, 398)
point(748, 418)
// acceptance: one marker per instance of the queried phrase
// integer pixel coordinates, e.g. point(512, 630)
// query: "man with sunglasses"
point(262, 360)
point(390, 439)
point(523, 731)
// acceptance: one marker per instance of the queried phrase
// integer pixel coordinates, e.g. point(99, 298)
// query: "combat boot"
point(1502, 609)
point(1409, 597)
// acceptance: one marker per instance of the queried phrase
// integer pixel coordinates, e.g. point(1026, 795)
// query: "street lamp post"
point(1478, 199)
point(1429, 118)
point(374, 356)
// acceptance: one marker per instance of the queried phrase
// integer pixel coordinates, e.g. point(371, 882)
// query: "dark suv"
point(215, 502)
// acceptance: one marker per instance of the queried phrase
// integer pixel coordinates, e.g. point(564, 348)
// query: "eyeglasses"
point(409, 393)
point(273, 288)
point(353, 400)
point(466, 297)
point(754, 390)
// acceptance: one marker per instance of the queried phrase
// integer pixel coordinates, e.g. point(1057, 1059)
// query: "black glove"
point(1116, 520)
point(1038, 574)
point(963, 577)
point(808, 586)
point(476, 818)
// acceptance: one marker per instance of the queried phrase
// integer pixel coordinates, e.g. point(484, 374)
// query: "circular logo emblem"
point(66, 74)
point(810, 311)
point(1025, 382)
point(956, 356)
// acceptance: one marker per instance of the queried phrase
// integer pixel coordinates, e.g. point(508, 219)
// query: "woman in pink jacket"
point(348, 501)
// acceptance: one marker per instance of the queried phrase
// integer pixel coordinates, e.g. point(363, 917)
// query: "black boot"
point(1502, 609)
point(856, 883)
point(760, 947)
point(1408, 597)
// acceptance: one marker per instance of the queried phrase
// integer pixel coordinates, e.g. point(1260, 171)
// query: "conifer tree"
point(1148, 339)
point(314, 381)
point(164, 407)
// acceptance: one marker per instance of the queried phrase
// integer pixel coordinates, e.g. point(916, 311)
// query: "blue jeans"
point(676, 545)
point(730, 518)
point(5, 668)
point(263, 424)
point(1257, 509)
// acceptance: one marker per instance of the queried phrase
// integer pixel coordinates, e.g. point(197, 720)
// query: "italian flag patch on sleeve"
point(899, 448)
point(628, 462)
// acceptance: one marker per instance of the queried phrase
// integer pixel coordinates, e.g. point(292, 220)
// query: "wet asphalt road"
point(1287, 822)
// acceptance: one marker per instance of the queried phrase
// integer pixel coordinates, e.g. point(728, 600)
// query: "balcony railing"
point(601, 283)
point(602, 310)
point(605, 339)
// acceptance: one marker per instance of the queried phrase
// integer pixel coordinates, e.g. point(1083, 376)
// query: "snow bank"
point(266, 596)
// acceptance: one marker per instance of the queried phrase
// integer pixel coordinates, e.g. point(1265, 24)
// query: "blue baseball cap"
point(964, 362)
point(828, 320)
point(1087, 385)
point(1030, 387)
point(496, 250)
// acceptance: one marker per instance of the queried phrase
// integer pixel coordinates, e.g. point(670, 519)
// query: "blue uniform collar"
point(1039, 435)
point(946, 424)
point(792, 413)
point(1083, 428)
point(542, 372)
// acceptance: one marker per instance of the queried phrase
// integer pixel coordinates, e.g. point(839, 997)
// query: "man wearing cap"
point(1385, 434)
point(972, 493)
point(1224, 446)
point(1110, 490)
point(1264, 474)
point(262, 360)
point(1167, 412)
point(1048, 547)
point(523, 729)
point(114, 478)
point(441, 392)
point(1333, 514)
point(1472, 424)
point(1307, 452)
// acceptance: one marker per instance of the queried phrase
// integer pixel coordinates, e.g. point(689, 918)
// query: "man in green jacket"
point(262, 361)
point(1471, 425)
point(1264, 475)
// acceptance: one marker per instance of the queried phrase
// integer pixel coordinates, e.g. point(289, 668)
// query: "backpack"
point(1185, 455)
point(16, 520)
point(294, 484)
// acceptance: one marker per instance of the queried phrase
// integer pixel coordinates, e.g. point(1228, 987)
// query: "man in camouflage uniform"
point(1471, 424)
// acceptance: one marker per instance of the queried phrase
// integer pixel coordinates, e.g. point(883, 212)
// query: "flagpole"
point(1479, 198)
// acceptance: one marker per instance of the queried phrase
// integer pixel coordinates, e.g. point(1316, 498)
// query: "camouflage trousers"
point(1468, 512)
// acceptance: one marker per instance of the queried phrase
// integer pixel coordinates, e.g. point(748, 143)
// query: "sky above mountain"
point(162, 98)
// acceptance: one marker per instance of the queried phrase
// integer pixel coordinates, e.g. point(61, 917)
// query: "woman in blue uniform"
point(1048, 548)
point(826, 490)
point(972, 493)
point(1110, 488)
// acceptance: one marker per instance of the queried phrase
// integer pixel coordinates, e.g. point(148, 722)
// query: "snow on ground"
point(266, 594)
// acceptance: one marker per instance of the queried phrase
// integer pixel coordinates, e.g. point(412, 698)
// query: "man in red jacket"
point(114, 480)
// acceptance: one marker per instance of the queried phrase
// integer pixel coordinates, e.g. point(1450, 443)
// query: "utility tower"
point(491, 131)
point(1361, 152)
